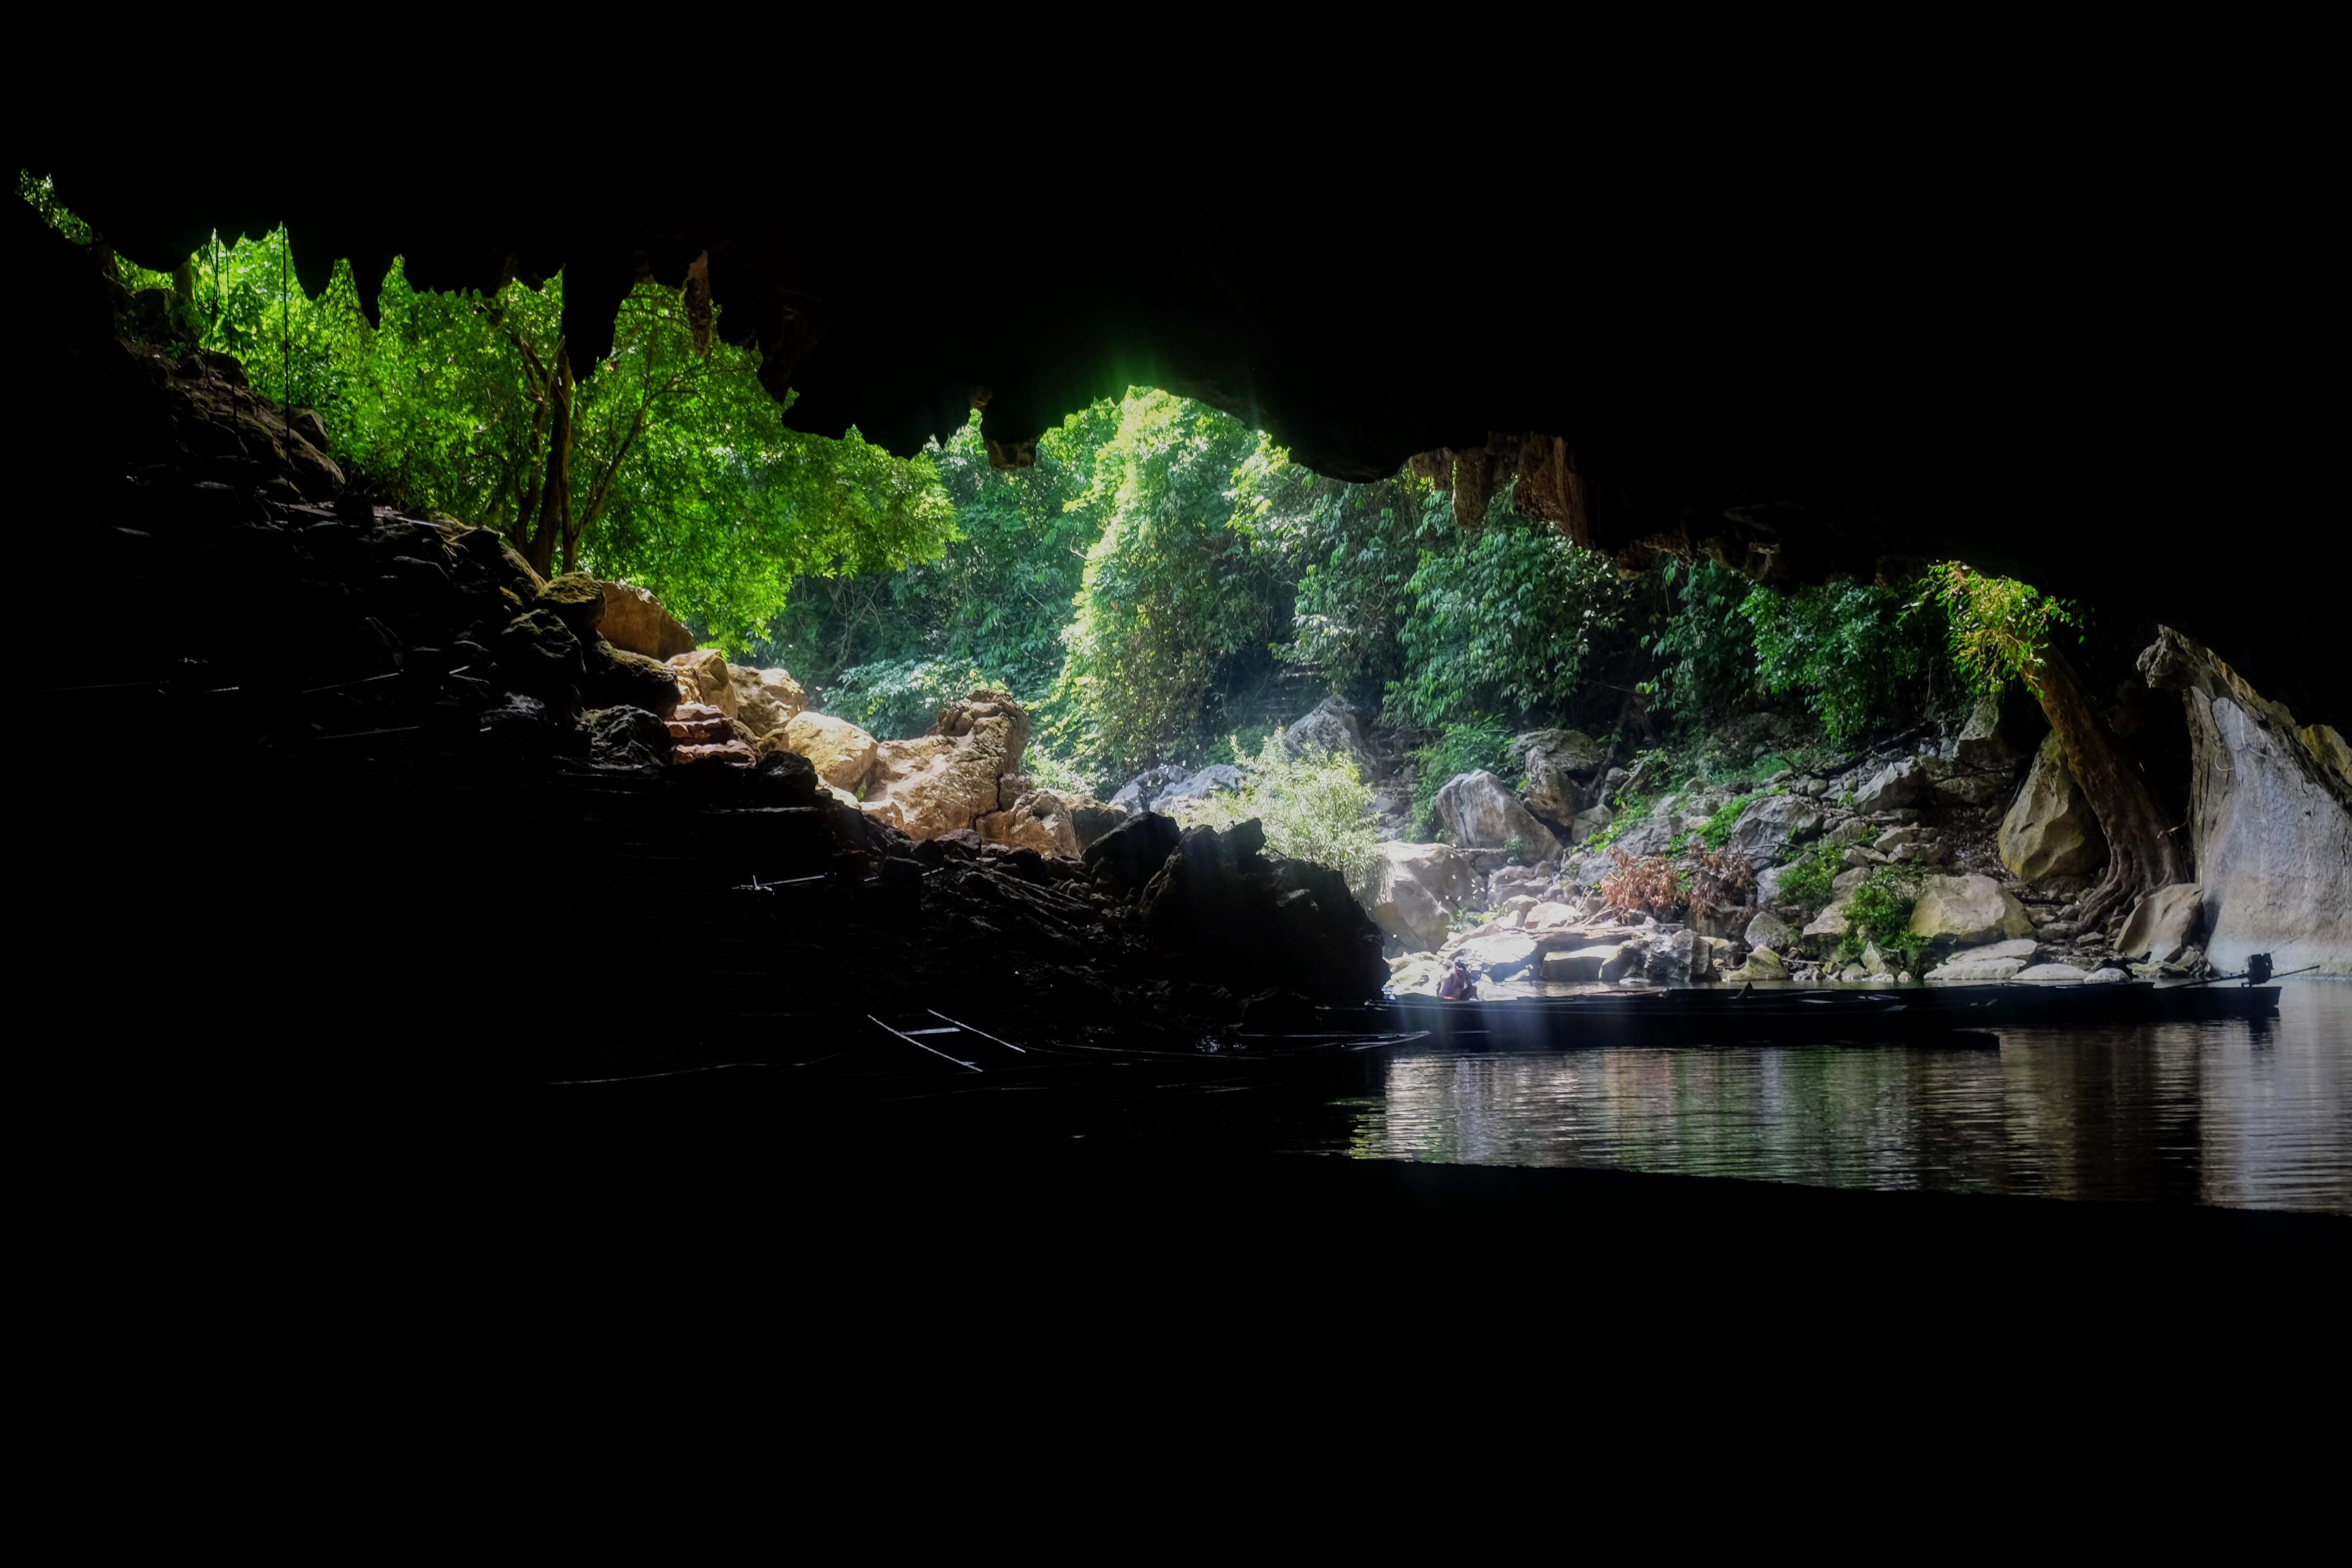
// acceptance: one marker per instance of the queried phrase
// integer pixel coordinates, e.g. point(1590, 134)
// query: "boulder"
point(1090, 818)
point(1501, 955)
point(2052, 974)
point(1543, 917)
point(1480, 813)
point(765, 699)
point(1967, 911)
point(1769, 824)
point(733, 752)
point(699, 724)
point(2270, 815)
point(1414, 890)
point(1331, 726)
point(1769, 930)
point(1039, 820)
point(636, 621)
point(2050, 829)
point(843, 754)
point(702, 677)
point(1417, 976)
point(2108, 975)
point(537, 654)
point(627, 738)
point(1139, 792)
point(1190, 791)
point(1959, 785)
point(1671, 958)
point(1560, 764)
point(1763, 964)
point(1282, 923)
point(1127, 856)
point(1965, 970)
point(1899, 784)
point(2163, 922)
point(948, 778)
point(1988, 743)
point(578, 598)
point(1824, 929)
point(1589, 821)
point(1578, 964)
point(1874, 961)
point(2021, 947)
point(1850, 831)
point(615, 677)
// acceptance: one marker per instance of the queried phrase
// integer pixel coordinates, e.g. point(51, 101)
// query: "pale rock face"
point(1963, 971)
point(1502, 955)
point(1899, 784)
point(2110, 975)
point(2020, 948)
point(1559, 763)
point(1770, 931)
point(2054, 975)
point(841, 753)
point(1967, 909)
point(765, 699)
point(702, 677)
point(1763, 964)
point(1768, 824)
point(1873, 961)
point(1589, 821)
point(1417, 976)
point(1413, 889)
point(2166, 921)
point(1550, 916)
point(635, 620)
point(1851, 831)
point(1331, 726)
point(1038, 819)
point(1579, 964)
point(949, 778)
point(1983, 745)
point(2050, 830)
point(1480, 813)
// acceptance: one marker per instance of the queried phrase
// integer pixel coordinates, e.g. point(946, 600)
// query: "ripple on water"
point(2247, 1115)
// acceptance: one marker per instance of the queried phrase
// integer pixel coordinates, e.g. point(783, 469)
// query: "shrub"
point(1808, 881)
point(1645, 886)
point(1706, 648)
point(1718, 881)
point(1849, 649)
point(1880, 911)
point(1314, 806)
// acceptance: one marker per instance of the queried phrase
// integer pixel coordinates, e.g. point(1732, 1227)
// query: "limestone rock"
point(699, 724)
point(1560, 765)
point(578, 598)
point(615, 677)
point(636, 621)
point(1127, 856)
point(702, 677)
point(2021, 948)
point(1850, 831)
point(1768, 825)
point(1413, 891)
point(1825, 928)
point(1900, 784)
point(2166, 921)
point(1987, 741)
point(1189, 791)
point(1769, 930)
point(1589, 821)
point(1501, 956)
point(2108, 976)
point(1417, 976)
point(1090, 818)
point(2270, 819)
point(1040, 820)
point(1541, 918)
point(938, 783)
point(844, 754)
point(538, 654)
point(1968, 971)
point(1579, 964)
point(1763, 964)
point(1480, 813)
point(1331, 726)
point(625, 737)
point(733, 752)
point(1967, 911)
point(765, 699)
point(2053, 973)
point(2050, 830)
point(1873, 961)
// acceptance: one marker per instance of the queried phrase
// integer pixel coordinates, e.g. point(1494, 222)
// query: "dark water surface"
point(2239, 1114)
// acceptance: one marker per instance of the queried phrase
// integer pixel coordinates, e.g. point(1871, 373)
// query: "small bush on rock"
point(1464, 748)
point(1880, 911)
point(1644, 886)
point(1314, 806)
point(1808, 879)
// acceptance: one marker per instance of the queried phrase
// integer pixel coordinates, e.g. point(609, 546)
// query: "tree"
point(2000, 629)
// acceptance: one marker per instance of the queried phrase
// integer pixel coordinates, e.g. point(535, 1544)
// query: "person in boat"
point(1459, 984)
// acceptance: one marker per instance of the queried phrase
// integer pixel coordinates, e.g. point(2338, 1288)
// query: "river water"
point(2250, 1115)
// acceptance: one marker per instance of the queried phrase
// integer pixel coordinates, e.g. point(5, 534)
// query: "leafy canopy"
point(1314, 805)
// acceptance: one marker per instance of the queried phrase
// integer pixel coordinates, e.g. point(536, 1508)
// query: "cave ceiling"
point(1804, 361)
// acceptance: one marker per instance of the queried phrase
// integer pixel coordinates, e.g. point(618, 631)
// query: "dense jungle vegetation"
point(1160, 568)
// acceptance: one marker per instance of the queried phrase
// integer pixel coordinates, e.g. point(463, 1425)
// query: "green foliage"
point(898, 699)
point(41, 195)
point(1880, 912)
point(1463, 747)
point(1354, 550)
point(1848, 650)
point(1177, 598)
point(1995, 628)
point(1504, 618)
point(1716, 831)
point(1314, 806)
point(1706, 648)
point(1810, 879)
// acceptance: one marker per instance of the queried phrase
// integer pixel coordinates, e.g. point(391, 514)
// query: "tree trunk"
point(2142, 855)
point(555, 499)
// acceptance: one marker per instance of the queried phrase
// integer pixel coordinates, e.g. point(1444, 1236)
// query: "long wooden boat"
point(1956, 1015)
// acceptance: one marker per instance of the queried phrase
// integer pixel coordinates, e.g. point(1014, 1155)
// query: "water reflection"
point(2248, 1115)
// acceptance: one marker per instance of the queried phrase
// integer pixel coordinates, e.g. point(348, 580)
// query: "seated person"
point(1459, 984)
